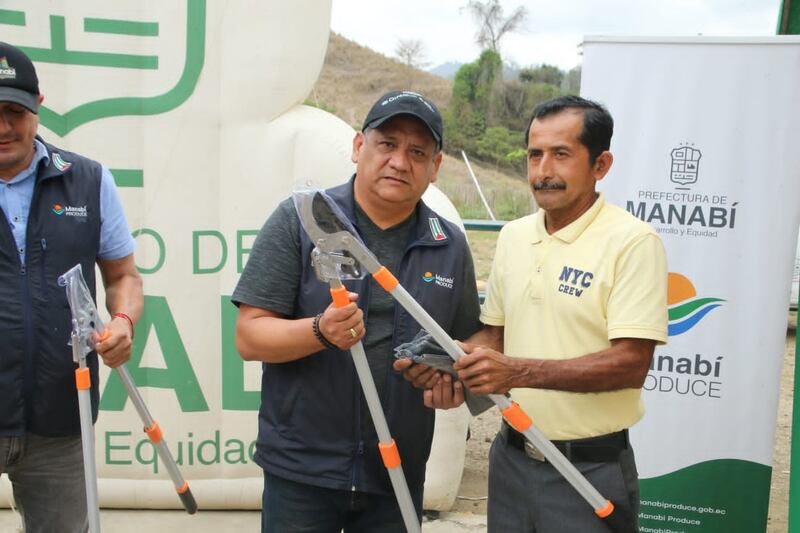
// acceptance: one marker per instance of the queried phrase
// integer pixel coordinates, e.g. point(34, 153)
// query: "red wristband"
point(126, 317)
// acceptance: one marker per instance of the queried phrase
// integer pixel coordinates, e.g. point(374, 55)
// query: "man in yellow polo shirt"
point(576, 302)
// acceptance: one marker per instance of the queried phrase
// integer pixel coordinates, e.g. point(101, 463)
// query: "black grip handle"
point(188, 501)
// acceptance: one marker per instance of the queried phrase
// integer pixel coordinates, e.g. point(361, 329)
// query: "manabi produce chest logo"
point(691, 374)
point(684, 211)
point(127, 31)
point(442, 281)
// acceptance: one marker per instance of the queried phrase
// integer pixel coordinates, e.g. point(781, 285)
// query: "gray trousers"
point(530, 496)
point(47, 476)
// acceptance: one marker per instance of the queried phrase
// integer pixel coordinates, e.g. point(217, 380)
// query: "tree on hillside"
point(500, 145)
point(472, 99)
point(542, 74)
point(492, 25)
point(571, 84)
point(516, 100)
point(473, 81)
point(411, 52)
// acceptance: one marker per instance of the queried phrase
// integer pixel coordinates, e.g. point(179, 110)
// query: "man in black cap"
point(316, 442)
point(57, 209)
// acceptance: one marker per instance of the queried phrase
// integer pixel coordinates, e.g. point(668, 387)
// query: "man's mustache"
point(549, 186)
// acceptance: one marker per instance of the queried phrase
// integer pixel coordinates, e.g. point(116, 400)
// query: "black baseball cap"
point(396, 103)
point(18, 80)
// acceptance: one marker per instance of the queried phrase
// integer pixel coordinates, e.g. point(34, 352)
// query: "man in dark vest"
point(57, 209)
point(316, 442)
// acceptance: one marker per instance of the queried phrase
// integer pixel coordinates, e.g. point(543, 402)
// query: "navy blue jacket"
point(310, 417)
point(37, 374)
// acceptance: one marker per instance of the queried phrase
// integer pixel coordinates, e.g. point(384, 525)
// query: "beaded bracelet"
point(126, 317)
point(318, 334)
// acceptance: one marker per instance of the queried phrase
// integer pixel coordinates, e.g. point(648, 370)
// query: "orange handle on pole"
point(340, 297)
point(83, 380)
point(390, 454)
point(516, 417)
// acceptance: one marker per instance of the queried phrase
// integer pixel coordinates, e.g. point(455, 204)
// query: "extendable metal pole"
point(386, 444)
point(88, 330)
point(153, 431)
point(83, 383)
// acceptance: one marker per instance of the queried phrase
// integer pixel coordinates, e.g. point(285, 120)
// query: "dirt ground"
point(472, 494)
point(779, 492)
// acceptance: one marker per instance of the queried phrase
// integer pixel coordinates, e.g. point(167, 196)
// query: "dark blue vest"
point(37, 374)
point(310, 417)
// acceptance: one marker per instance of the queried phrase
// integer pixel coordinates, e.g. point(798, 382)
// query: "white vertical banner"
point(705, 150)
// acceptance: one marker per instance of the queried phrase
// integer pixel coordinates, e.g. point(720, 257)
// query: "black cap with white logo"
point(396, 103)
point(18, 80)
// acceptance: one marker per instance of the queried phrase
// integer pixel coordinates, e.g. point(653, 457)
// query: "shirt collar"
point(430, 228)
point(40, 153)
point(573, 230)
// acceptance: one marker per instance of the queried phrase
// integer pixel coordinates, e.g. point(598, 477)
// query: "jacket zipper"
point(45, 291)
point(357, 464)
point(29, 377)
point(27, 320)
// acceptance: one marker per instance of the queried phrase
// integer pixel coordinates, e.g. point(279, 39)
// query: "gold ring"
point(353, 333)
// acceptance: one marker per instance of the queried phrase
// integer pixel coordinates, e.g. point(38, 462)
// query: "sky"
point(554, 29)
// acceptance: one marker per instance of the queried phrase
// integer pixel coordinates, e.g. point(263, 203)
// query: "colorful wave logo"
point(427, 277)
point(685, 308)
point(58, 209)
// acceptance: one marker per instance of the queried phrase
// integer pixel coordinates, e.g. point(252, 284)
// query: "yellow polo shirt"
point(569, 294)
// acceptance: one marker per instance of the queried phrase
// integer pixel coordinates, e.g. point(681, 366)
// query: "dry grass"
point(354, 76)
point(508, 196)
point(482, 245)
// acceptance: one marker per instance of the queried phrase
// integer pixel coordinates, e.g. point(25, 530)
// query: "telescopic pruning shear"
point(336, 256)
point(339, 251)
point(87, 331)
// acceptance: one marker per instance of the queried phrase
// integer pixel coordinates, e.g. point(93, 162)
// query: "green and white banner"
point(195, 105)
point(705, 150)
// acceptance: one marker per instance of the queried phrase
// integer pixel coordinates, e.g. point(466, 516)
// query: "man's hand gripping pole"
point(88, 330)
